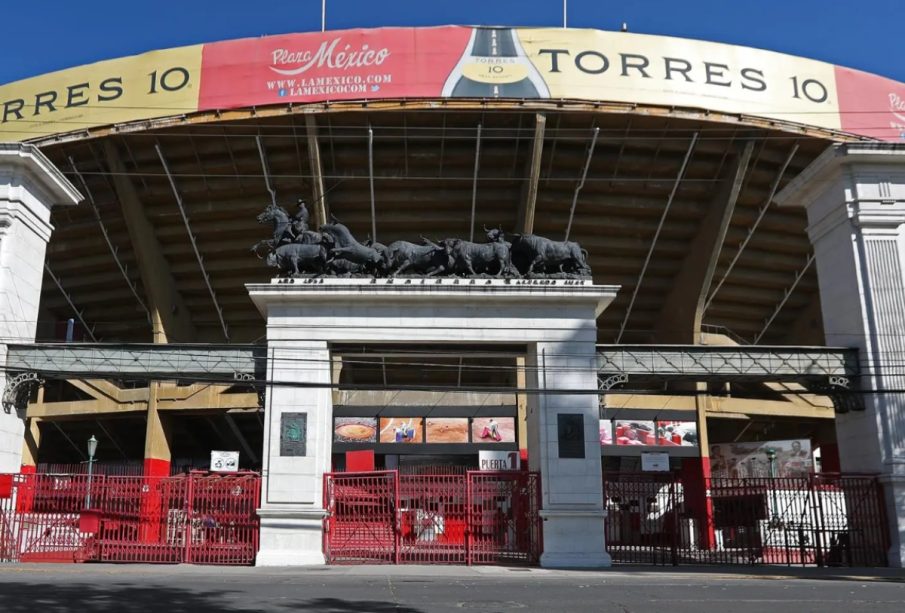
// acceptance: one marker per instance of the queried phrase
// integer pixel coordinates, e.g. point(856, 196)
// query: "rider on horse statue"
point(290, 230)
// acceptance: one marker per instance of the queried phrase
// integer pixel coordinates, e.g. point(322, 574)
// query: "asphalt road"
point(187, 589)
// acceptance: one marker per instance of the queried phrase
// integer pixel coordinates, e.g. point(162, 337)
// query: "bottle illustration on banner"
point(494, 65)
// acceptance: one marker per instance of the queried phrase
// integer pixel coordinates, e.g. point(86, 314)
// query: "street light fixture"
point(771, 458)
point(92, 448)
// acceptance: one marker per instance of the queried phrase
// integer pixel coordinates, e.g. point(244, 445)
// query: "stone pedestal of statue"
point(554, 320)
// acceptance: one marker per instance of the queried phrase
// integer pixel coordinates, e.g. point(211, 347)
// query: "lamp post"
point(771, 458)
point(92, 447)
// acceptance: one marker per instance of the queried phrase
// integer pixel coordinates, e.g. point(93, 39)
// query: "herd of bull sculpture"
point(295, 250)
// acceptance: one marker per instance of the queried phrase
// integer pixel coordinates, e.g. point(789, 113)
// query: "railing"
point(818, 520)
point(194, 518)
point(451, 518)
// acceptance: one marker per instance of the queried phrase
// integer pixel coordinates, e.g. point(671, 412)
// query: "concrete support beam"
point(683, 310)
point(525, 223)
point(113, 400)
point(31, 444)
point(83, 409)
point(170, 317)
point(157, 438)
point(319, 205)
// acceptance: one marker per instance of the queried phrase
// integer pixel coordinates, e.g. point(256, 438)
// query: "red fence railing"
point(194, 518)
point(470, 518)
point(819, 520)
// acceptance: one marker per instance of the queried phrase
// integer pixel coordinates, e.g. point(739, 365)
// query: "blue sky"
point(44, 36)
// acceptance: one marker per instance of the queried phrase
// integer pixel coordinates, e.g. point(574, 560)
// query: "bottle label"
point(494, 70)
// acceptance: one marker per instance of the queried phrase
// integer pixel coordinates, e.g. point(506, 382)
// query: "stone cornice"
point(28, 161)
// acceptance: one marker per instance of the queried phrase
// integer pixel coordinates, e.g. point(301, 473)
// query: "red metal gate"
point(472, 518)
point(195, 518)
point(42, 519)
point(360, 527)
point(818, 520)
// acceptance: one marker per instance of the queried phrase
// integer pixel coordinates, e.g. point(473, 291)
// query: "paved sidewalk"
point(107, 588)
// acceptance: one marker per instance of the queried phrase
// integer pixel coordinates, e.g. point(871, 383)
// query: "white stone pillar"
point(855, 200)
point(568, 460)
point(29, 186)
point(295, 456)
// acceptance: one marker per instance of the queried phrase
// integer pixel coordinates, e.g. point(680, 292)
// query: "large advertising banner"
point(623, 67)
point(870, 105)
point(341, 65)
point(156, 84)
point(454, 62)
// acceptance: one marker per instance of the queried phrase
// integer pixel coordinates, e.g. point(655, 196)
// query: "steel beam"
point(653, 244)
point(785, 297)
point(529, 197)
point(114, 251)
point(171, 317)
point(78, 313)
point(317, 172)
point(580, 186)
point(682, 312)
point(720, 363)
point(246, 363)
point(474, 183)
point(760, 215)
point(154, 361)
point(194, 243)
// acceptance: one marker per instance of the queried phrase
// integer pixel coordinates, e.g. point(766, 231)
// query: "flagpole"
point(565, 10)
point(323, 15)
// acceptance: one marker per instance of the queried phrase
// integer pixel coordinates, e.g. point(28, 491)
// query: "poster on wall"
point(655, 461)
point(446, 430)
point(401, 430)
point(793, 458)
point(606, 432)
point(677, 433)
point(635, 432)
point(354, 430)
point(493, 430)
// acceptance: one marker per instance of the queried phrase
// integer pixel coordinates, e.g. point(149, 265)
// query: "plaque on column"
point(293, 433)
point(570, 427)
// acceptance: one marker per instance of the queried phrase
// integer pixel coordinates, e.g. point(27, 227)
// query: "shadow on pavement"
point(336, 605)
point(31, 596)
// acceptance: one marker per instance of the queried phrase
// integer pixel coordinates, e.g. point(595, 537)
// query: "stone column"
point(564, 445)
point(855, 200)
point(297, 446)
point(29, 186)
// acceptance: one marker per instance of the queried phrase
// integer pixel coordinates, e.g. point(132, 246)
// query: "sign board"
point(224, 461)
point(570, 429)
point(293, 434)
point(454, 62)
point(498, 460)
point(656, 461)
